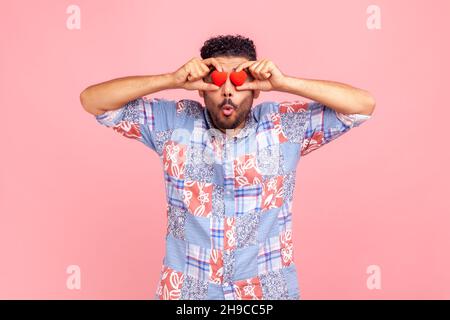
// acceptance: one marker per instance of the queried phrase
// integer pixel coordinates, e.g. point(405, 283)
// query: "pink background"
point(75, 193)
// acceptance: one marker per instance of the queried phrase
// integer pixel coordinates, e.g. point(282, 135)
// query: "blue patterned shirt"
point(229, 199)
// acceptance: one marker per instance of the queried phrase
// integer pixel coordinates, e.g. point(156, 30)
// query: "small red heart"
point(218, 77)
point(238, 78)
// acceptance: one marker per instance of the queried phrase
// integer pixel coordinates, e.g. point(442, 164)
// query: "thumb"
point(209, 87)
point(248, 86)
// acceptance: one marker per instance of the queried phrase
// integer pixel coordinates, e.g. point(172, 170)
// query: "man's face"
point(239, 101)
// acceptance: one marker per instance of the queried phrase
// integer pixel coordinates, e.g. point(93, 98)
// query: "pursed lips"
point(227, 110)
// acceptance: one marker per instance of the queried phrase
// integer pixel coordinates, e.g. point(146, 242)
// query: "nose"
point(228, 87)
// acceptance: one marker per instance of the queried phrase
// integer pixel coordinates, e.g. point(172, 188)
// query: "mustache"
point(227, 101)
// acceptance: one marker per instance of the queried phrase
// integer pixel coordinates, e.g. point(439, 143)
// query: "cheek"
point(247, 97)
point(212, 99)
point(210, 96)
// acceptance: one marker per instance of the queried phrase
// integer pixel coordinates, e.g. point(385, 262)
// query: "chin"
point(227, 124)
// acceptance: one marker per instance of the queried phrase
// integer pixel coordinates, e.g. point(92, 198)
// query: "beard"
point(222, 122)
point(240, 114)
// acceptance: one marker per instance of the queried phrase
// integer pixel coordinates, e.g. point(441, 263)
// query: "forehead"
point(230, 63)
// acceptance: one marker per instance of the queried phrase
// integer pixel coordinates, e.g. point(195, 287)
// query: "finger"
point(245, 65)
point(189, 71)
point(205, 69)
point(201, 72)
point(266, 74)
point(260, 67)
point(208, 87)
point(214, 62)
point(263, 70)
point(270, 69)
point(196, 74)
point(252, 69)
point(248, 86)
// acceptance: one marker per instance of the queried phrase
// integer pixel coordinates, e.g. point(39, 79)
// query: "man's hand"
point(190, 75)
point(267, 76)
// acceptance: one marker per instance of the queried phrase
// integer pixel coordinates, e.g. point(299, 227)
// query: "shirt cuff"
point(352, 120)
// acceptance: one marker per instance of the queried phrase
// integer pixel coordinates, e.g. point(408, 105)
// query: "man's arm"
point(111, 95)
point(335, 109)
point(338, 96)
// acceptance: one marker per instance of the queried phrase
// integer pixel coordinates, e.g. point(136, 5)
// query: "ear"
point(256, 94)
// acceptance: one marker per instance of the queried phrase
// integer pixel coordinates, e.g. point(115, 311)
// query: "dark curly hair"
point(229, 46)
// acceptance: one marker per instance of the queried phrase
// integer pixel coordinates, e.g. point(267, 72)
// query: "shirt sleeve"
point(326, 124)
point(142, 119)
